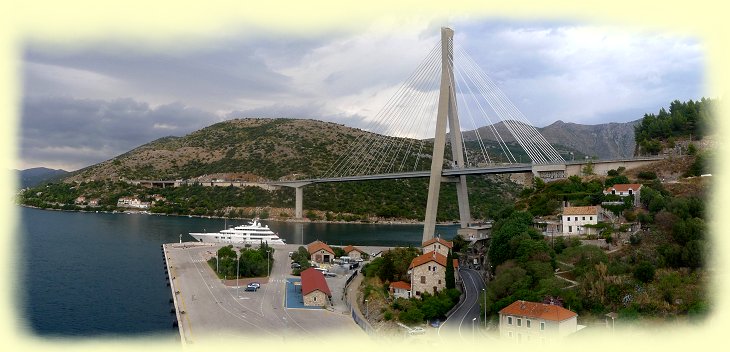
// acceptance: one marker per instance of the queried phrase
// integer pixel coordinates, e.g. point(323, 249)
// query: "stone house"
point(315, 291)
point(80, 200)
point(437, 244)
point(574, 219)
point(524, 321)
point(320, 252)
point(428, 273)
point(353, 252)
point(400, 289)
point(625, 190)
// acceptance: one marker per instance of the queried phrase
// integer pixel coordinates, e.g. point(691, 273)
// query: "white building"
point(127, 202)
point(524, 321)
point(574, 219)
point(625, 190)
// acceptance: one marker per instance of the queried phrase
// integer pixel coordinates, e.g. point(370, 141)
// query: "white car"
point(417, 331)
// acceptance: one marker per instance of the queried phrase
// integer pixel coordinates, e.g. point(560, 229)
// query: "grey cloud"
point(82, 132)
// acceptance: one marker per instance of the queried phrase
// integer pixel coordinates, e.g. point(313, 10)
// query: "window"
point(429, 268)
point(528, 323)
point(509, 333)
point(509, 321)
point(631, 192)
point(583, 218)
point(439, 282)
point(423, 279)
point(591, 218)
point(542, 325)
point(519, 322)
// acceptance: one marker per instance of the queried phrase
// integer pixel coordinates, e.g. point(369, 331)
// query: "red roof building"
point(353, 252)
point(315, 291)
point(524, 321)
point(400, 289)
point(320, 252)
point(437, 244)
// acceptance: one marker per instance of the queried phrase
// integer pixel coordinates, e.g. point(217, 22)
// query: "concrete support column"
point(447, 114)
point(299, 201)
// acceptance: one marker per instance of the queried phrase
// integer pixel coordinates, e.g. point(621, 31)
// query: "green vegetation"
point(689, 119)
point(251, 262)
point(354, 201)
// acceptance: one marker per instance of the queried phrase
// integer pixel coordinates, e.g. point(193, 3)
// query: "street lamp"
point(238, 259)
point(367, 311)
point(268, 259)
point(484, 291)
point(180, 238)
point(472, 328)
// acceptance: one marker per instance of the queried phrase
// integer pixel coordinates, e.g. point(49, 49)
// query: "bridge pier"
point(298, 202)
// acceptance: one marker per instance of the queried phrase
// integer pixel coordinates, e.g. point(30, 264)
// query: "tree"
point(644, 272)
point(450, 278)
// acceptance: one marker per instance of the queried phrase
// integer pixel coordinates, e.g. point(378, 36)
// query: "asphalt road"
point(464, 322)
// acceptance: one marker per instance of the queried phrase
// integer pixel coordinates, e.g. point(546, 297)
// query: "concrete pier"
point(208, 308)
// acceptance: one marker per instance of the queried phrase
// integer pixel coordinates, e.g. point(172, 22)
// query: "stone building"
point(524, 321)
point(353, 252)
point(437, 244)
point(320, 252)
point(315, 291)
point(428, 273)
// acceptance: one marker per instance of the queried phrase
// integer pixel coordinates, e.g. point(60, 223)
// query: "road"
point(464, 320)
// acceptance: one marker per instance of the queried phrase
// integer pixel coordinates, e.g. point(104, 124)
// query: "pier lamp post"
point(180, 238)
point(367, 311)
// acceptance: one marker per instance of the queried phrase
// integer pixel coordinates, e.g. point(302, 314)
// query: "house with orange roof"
point(437, 244)
point(524, 321)
point(625, 190)
point(315, 291)
point(574, 219)
point(400, 289)
point(353, 252)
point(320, 252)
point(428, 273)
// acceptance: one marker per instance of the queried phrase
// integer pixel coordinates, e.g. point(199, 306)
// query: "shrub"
point(644, 272)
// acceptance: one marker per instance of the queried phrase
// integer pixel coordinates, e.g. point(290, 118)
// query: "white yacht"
point(253, 233)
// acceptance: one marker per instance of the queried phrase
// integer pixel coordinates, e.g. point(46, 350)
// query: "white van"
point(345, 259)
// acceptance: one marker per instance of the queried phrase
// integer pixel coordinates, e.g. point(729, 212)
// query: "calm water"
point(89, 274)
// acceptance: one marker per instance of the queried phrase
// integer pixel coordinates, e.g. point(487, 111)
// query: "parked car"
point(295, 266)
point(256, 284)
point(417, 331)
point(329, 274)
point(251, 287)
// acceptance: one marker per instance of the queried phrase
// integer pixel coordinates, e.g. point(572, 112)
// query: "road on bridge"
point(464, 320)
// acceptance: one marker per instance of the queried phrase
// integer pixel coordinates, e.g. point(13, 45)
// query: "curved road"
point(461, 323)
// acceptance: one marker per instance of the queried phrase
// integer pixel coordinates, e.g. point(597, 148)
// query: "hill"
point(265, 148)
point(606, 141)
point(37, 175)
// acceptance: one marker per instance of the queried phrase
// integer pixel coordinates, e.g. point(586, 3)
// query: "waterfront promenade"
point(208, 309)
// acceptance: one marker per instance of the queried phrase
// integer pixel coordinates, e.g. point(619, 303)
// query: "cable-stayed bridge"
point(420, 133)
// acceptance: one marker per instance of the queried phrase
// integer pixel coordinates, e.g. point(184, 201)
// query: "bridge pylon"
point(447, 114)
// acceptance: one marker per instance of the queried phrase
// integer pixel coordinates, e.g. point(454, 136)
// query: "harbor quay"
point(208, 308)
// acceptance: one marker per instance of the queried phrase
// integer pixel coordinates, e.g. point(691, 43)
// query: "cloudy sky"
point(85, 104)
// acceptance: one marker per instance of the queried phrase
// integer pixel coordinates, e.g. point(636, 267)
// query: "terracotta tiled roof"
point(314, 280)
point(537, 310)
point(317, 245)
point(401, 285)
point(592, 210)
point(351, 248)
point(624, 187)
point(428, 257)
point(439, 240)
